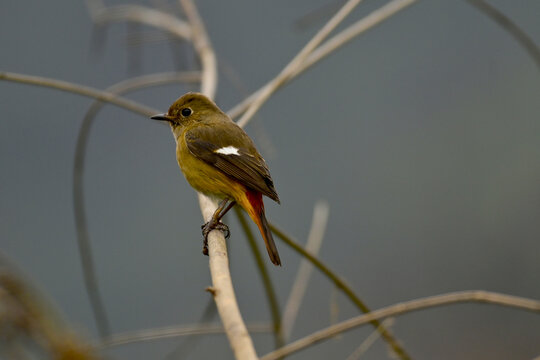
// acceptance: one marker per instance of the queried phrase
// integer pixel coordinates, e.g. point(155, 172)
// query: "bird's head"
point(189, 109)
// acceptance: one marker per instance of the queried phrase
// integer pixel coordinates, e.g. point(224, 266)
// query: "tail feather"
point(268, 239)
point(256, 212)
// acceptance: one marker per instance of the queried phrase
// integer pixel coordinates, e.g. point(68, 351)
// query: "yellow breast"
point(204, 177)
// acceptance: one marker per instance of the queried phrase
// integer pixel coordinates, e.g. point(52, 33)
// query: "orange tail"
point(256, 212)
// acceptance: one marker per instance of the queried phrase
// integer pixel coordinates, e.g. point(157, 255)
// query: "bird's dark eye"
point(186, 112)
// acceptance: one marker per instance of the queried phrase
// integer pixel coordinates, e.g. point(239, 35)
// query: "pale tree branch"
point(474, 296)
point(223, 291)
point(298, 289)
point(366, 23)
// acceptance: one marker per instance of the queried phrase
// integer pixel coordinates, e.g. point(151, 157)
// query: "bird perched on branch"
point(219, 160)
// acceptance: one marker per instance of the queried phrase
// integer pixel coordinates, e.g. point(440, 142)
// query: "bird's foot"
point(209, 226)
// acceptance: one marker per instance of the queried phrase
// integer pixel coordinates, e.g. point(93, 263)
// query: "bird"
point(219, 159)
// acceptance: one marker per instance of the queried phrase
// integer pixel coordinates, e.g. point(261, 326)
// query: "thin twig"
point(474, 296)
point(317, 14)
point(298, 289)
point(80, 90)
point(83, 238)
point(190, 342)
point(370, 340)
point(267, 281)
point(172, 331)
point(281, 78)
point(366, 23)
point(344, 287)
point(512, 28)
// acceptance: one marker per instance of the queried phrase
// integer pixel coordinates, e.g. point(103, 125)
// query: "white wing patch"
point(227, 150)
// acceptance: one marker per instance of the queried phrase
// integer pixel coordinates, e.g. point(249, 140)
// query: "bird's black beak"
point(163, 117)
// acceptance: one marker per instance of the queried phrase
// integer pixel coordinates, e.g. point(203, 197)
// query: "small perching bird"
point(219, 160)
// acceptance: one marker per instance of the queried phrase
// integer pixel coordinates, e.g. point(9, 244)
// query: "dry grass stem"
point(26, 315)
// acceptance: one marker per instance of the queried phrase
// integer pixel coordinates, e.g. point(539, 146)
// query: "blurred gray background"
point(423, 135)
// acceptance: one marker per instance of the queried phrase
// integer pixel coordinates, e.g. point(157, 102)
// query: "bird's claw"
point(208, 227)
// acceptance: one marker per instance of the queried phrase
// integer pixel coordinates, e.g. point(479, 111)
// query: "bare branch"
point(282, 77)
point(359, 27)
point(223, 290)
point(474, 296)
point(80, 90)
point(366, 23)
point(298, 289)
point(173, 331)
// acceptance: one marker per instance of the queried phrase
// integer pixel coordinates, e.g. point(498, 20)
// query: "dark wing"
point(227, 147)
